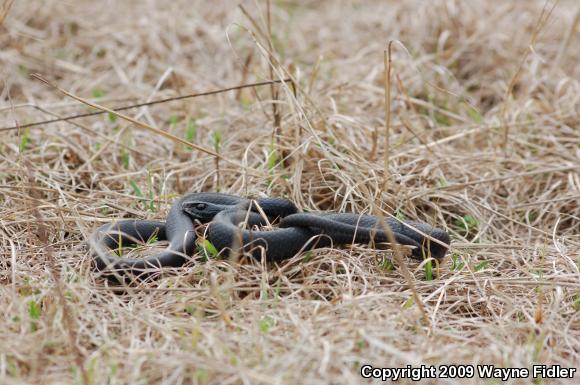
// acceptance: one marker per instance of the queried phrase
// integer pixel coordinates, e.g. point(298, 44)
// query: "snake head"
point(202, 211)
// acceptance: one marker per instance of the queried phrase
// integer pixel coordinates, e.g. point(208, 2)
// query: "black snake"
point(295, 232)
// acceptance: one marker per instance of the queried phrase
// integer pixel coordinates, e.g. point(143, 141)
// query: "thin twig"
point(42, 234)
point(5, 9)
point(151, 103)
point(542, 20)
point(387, 78)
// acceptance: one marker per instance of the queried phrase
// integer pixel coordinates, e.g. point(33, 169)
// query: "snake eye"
point(194, 208)
point(201, 206)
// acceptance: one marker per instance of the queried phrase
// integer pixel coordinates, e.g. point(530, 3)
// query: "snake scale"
point(295, 232)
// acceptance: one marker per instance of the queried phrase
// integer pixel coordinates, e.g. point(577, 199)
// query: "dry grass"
point(464, 75)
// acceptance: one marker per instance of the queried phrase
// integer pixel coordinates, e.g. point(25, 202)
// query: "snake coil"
point(296, 232)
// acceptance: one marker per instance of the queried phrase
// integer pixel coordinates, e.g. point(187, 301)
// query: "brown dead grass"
point(507, 295)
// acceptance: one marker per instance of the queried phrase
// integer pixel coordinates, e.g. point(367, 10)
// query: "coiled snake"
point(296, 232)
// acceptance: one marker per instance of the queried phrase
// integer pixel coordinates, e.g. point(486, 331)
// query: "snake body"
point(346, 228)
point(296, 232)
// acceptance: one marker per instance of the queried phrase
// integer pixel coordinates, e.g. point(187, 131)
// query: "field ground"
point(484, 140)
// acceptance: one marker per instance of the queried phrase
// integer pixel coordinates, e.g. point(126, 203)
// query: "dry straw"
point(463, 75)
